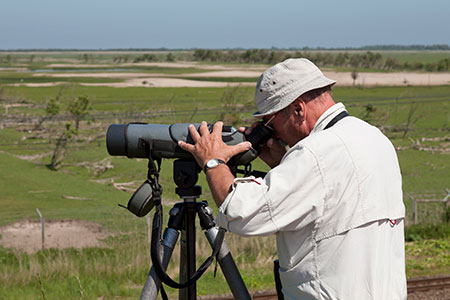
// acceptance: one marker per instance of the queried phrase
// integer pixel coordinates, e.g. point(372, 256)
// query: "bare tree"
point(61, 147)
point(78, 108)
point(411, 119)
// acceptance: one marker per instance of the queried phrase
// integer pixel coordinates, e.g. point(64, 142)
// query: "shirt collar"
point(327, 116)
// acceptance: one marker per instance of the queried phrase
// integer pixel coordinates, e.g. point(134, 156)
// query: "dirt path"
point(390, 79)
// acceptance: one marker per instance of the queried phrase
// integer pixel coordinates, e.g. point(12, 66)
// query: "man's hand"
point(272, 152)
point(210, 145)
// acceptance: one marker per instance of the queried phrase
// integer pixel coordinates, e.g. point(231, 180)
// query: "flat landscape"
point(55, 108)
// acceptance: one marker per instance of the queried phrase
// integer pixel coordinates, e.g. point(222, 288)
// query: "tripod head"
point(185, 173)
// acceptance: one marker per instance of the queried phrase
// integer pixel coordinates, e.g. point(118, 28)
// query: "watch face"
point(212, 163)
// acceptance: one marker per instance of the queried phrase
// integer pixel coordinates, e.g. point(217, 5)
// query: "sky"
point(176, 24)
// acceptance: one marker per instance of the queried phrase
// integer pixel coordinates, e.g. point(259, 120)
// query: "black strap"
point(276, 273)
point(156, 250)
point(337, 119)
point(155, 245)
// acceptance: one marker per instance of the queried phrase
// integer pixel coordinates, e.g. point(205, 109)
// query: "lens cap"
point(141, 203)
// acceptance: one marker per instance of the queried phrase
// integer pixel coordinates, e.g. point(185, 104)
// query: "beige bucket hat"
point(281, 84)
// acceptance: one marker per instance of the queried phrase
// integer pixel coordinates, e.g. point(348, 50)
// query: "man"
point(333, 199)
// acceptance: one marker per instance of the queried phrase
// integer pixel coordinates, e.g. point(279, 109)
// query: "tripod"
point(182, 219)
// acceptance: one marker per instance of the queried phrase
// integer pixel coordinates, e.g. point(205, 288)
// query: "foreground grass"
point(427, 258)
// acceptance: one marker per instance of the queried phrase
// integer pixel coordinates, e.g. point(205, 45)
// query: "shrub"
point(419, 232)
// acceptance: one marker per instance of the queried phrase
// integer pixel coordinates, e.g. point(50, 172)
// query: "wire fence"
point(428, 208)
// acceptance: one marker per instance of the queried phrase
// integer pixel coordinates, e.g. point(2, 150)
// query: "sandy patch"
point(342, 78)
point(13, 69)
point(98, 75)
point(77, 66)
point(137, 79)
point(44, 84)
point(168, 82)
point(390, 79)
point(242, 74)
point(196, 65)
point(26, 235)
point(33, 157)
point(181, 64)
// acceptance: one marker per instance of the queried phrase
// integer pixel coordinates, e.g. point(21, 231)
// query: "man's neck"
point(317, 107)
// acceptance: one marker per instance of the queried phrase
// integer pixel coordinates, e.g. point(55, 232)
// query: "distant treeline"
point(354, 60)
point(406, 48)
point(324, 59)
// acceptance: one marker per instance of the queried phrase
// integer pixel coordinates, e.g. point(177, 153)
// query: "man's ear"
point(299, 107)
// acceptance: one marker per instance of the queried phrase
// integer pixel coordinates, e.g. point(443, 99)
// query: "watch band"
point(212, 163)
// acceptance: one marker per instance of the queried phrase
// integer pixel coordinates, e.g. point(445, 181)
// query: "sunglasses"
point(267, 123)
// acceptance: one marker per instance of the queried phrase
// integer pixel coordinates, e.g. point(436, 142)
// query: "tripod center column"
point(187, 242)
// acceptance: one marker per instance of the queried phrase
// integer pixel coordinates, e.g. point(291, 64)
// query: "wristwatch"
point(212, 163)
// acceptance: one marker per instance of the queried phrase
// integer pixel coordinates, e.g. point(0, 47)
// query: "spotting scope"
point(156, 141)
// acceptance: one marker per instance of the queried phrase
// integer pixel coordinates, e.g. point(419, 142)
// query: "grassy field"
point(416, 119)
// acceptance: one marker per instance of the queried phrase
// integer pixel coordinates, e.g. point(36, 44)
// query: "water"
point(84, 70)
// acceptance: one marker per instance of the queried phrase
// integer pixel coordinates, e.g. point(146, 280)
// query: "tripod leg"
point(153, 283)
point(229, 268)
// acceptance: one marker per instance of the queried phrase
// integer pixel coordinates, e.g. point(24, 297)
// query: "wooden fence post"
point(414, 208)
point(446, 200)
point(42, 227)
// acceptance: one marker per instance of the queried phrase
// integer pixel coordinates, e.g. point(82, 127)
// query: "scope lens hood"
point(116, 141)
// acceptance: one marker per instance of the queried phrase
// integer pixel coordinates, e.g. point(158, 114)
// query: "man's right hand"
point(272, 152)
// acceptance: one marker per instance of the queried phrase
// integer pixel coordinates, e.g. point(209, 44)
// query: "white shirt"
point(335, 204)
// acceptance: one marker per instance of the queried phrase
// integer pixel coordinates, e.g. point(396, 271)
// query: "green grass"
point(166, 105)
point(427, 258)
point(417, 56)
point(23, 79)
point(118, 68)
point(120, 269)
point(170, 105)
point(417, 167)
point(42, 188)
point(420, 232)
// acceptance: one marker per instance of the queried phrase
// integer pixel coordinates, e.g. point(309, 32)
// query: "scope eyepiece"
point(259, 136)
